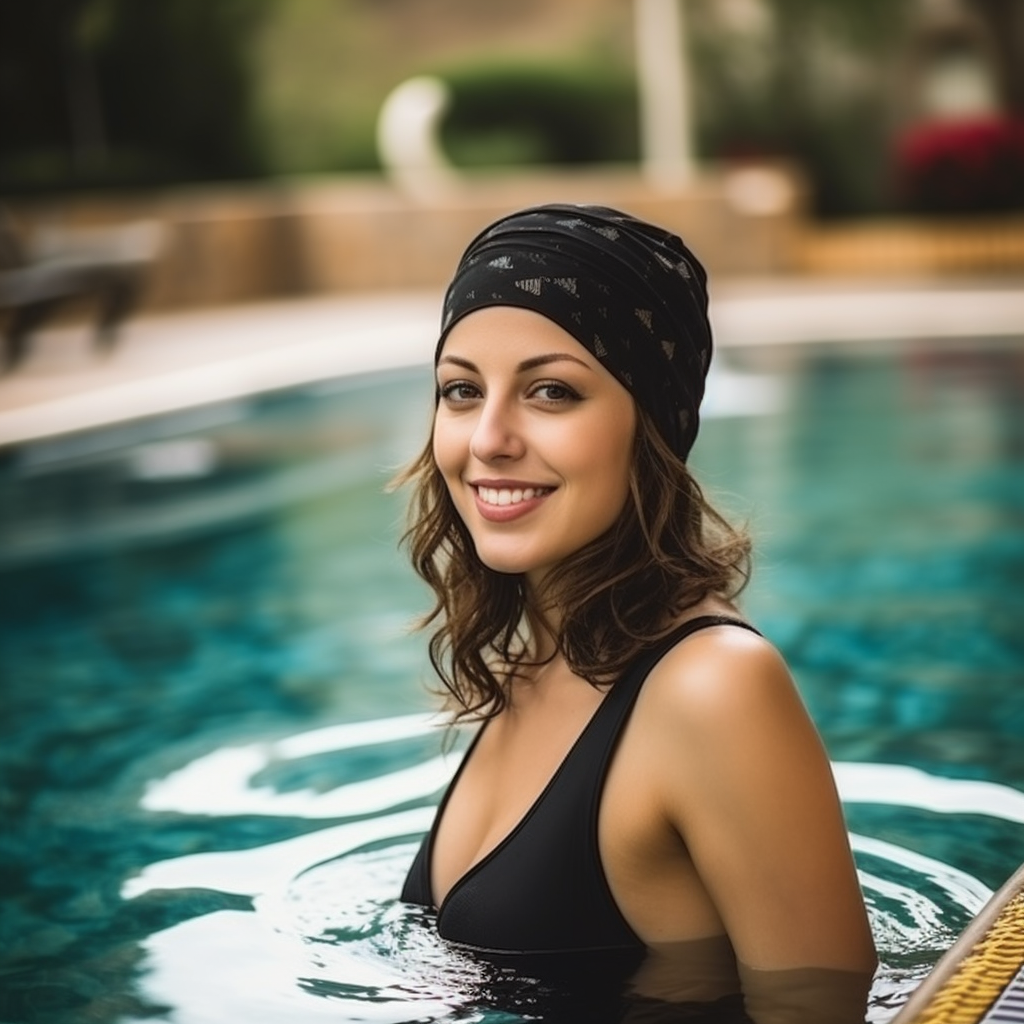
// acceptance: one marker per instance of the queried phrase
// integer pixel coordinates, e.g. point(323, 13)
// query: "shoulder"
point(723, 721)
point(738, 771)
point(723, 702)
point(717, 673)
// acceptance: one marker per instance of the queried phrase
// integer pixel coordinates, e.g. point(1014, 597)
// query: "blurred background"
point(224, 230)
point(867, 112)
point(101, 94)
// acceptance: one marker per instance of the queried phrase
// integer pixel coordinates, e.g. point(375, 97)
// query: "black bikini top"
point(542, 889)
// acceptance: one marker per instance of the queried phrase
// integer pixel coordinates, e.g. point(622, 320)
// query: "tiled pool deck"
point(173, 361)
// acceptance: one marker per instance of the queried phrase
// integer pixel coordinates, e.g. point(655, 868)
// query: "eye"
point(554, 393)
point(457, 391)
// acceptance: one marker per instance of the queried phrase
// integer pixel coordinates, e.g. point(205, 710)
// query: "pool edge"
point(978, 969)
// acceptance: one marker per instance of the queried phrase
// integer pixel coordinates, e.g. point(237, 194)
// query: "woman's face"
point(533, 437)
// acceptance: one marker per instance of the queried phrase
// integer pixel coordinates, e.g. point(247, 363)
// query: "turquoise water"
point(216, 758)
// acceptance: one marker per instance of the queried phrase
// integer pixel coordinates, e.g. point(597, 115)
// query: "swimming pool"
point(216, 754)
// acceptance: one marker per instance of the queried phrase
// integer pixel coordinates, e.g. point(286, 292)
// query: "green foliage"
point(328, 65)
point(325, 67)
point(867, 25)
point(527, 112)
point(175, 81)
point(35, 39)
point(141, 92)
point(118, 92)
point(810, 83)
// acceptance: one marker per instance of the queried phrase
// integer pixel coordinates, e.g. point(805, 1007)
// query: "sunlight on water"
point(731, 392)
point(910, 787)
point(329, 937)
point(220, 782)
point(188, 601)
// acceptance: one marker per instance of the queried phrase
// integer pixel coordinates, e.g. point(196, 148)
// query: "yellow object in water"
point(981, 977)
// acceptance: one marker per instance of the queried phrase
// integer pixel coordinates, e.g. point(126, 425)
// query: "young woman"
point(646, 798)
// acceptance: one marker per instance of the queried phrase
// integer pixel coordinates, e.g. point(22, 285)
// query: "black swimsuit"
point(542, 890)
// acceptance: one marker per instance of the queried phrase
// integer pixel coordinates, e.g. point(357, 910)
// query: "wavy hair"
point(667, 550)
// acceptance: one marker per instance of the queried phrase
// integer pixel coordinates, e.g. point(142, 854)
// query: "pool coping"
point(183, 360)
point(982, 971)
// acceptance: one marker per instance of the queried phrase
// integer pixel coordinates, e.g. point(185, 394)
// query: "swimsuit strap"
point(629, 684)
point(543, 887)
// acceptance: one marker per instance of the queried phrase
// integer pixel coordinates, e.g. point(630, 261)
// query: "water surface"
point(217, 757)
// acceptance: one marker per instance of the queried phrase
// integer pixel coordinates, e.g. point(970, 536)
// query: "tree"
point(803, 79)
point(1004, 20)
point(118, 92)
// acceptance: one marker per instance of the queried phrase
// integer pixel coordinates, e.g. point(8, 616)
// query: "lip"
point(508, 513)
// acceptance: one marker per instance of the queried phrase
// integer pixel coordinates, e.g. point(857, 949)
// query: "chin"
point(506, 566)
point(506, 563)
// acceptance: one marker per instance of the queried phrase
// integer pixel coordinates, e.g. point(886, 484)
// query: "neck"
point(543, 631)
point(545, 620)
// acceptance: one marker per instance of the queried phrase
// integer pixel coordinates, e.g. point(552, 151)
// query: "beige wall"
point(244, 243)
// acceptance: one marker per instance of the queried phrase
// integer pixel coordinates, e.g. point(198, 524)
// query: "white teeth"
point(509, 496)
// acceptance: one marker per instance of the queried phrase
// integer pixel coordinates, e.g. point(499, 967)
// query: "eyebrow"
point(527, 364)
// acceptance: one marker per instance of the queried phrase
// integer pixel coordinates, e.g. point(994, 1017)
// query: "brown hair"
point(667, 550)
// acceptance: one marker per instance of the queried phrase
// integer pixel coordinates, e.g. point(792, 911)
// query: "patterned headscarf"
point(631, 293)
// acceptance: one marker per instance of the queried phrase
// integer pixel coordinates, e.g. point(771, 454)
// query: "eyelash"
point(449, 392)
point(568, 393)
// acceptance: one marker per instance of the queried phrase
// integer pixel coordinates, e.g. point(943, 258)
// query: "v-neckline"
point(531, 809)
point(655, 653)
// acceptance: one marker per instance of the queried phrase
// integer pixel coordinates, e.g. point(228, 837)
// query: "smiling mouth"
point(501, 496)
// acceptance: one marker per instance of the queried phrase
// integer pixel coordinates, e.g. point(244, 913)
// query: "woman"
point(646, 795)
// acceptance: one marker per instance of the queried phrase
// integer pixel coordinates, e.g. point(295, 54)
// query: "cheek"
point(616, 459)
point(618, 479)
point(446, 447)
point(603, 471)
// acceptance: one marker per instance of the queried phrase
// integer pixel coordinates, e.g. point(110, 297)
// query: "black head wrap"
point(631, 293)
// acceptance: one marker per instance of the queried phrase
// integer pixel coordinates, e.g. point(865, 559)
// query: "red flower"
point(962, 166)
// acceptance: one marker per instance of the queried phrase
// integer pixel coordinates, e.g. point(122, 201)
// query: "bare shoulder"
point(724, 725)
point(738, 770)
point(721, 675)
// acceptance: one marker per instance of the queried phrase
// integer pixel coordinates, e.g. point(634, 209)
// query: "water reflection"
point(161, 613)
point(327, 923)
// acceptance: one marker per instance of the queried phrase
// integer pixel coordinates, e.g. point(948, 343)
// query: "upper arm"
point(748, 786)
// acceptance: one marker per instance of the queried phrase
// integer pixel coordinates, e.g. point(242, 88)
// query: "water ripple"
point(338, 937)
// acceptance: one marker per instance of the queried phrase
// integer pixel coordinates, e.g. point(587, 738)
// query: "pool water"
point(217, 756)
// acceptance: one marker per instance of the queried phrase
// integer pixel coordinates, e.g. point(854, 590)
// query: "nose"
point(496, 434)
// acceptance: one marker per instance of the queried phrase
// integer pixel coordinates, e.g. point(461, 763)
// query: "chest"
point(511, 767)
point(513, 862)
point(555, 835)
